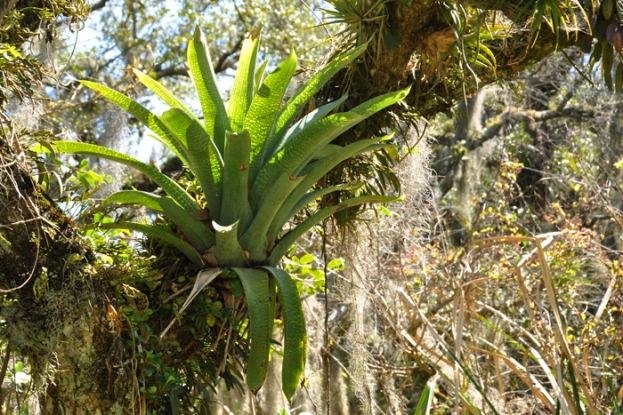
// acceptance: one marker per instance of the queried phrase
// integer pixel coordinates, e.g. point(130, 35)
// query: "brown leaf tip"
point(254, 34)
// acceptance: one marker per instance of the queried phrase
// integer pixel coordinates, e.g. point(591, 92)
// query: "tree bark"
point(55, 303)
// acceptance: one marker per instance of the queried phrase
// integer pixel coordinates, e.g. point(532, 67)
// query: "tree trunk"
point(55, 303)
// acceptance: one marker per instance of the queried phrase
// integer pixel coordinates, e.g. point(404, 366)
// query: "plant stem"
point(327, 352)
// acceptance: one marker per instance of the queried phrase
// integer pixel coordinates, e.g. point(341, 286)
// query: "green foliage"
point(364, 21)
point(605, 43)
point(425, 403)
point(557, 14)
point(21, 73)
point(252, 180)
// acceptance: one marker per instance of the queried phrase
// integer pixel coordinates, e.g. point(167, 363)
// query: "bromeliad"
point(256, 162)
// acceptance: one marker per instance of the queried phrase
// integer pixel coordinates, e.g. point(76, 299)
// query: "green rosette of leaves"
point(255, 161)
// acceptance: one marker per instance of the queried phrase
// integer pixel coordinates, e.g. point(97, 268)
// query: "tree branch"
point(224, 62)
point(172, 71)
point(99, 5)
point(515, 115)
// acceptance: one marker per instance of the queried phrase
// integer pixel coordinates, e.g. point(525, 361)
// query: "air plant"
point(256, 163)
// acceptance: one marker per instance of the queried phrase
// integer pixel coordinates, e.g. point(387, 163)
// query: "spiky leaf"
point(142, 114)
point(319, 113)
point(312, 175)
point(159, 89)
point(291, 237)
point(254, 239)
point(204, 159)
point(260, 118)
point(301, 148)
point(295, 104)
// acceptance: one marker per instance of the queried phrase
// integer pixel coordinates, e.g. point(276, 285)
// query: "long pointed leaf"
point(278, 140)
point(306, 143)
point(311, 196)
point(259, 74)
point(214, 113)
point(291, 237)
point(243, 88)
point(254, 239)
point(169, 186)
point(235, 181)
point(312, 175)
point(204, 159)
point(142, 114)
point(295, 332)
point(159, 89)
point(199, 235)
point(256, 288)
point(260, 119)
point(159, 233)
point(295, 104)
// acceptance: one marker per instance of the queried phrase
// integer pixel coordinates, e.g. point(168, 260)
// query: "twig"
point(5, 365)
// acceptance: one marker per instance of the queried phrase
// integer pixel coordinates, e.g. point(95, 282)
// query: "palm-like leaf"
point(256, 168)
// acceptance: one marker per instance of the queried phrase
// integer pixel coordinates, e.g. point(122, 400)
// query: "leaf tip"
point(198, 36)
point(254, 34)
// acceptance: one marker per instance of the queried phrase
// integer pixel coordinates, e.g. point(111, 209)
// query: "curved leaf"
point(159, 233)
point(294, 155)
point(295, 104)
point(311, 196)
point(295, 332)
point(315, 173)
point(169, 186)
point(142, 114)
point(204, 159)
point(279, 139)
point(199, 235)
point(159, 89)
point(291, 237)
point(256, 287)
point(254, 239)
